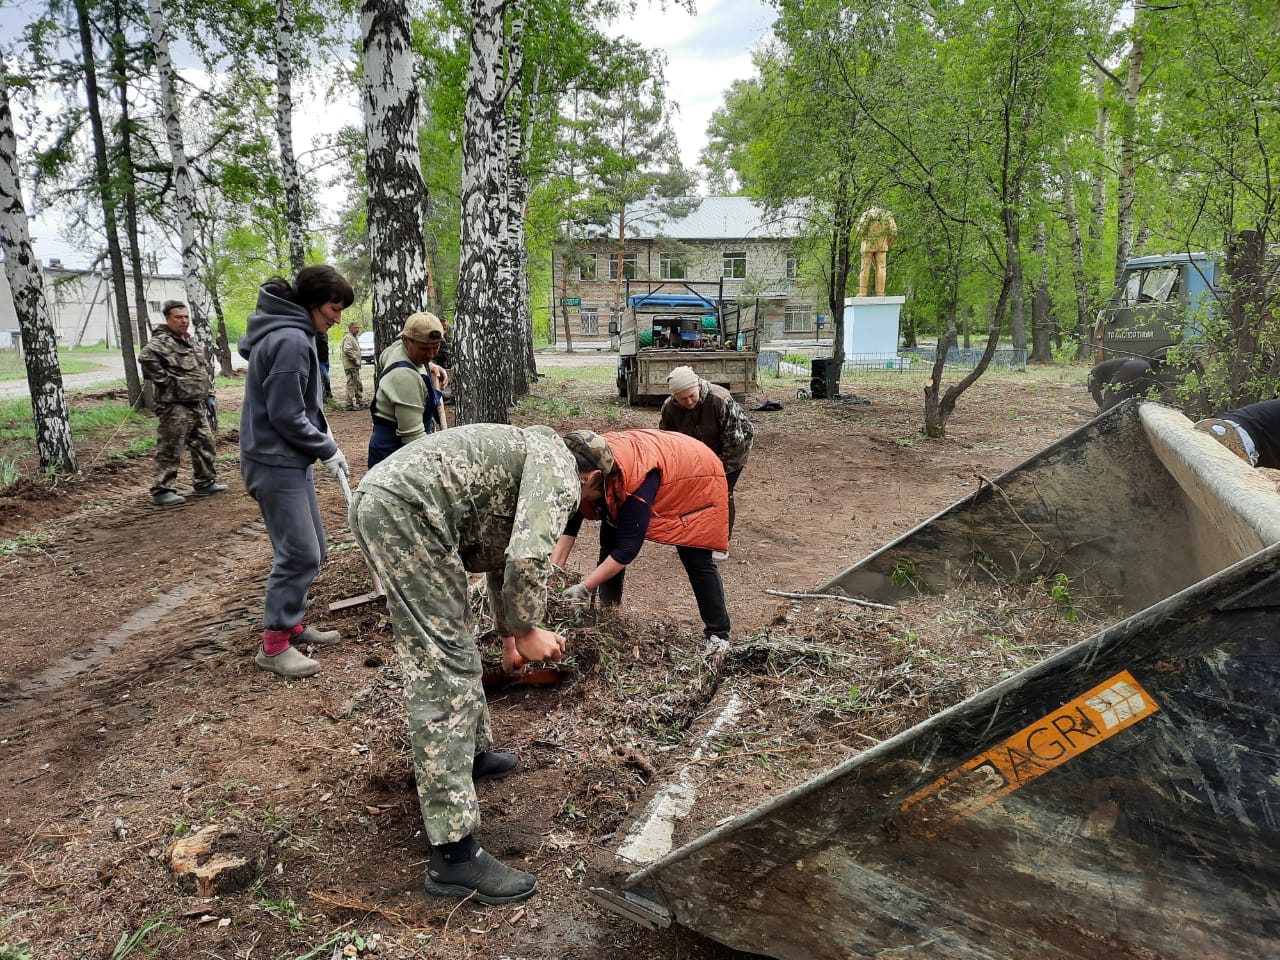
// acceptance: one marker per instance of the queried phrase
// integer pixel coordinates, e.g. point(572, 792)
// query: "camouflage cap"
point(592, 448)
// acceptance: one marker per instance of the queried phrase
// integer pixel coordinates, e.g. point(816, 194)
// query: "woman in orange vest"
point(651, 485)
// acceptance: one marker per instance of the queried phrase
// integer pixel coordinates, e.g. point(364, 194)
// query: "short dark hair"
point(314, 286)
point(169, 305)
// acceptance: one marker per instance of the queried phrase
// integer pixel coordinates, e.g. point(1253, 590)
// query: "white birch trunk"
point(484, 334)
point(284, 131)
point(514, 194)
point(393, 167)
point(39, 339)
point(184, 187)
point(1129, 149)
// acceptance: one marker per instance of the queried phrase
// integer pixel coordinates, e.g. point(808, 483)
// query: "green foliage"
point(1060, 593)
point(905, 575)
point(130, 944)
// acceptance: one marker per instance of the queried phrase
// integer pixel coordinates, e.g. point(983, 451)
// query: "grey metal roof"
point(712, 218)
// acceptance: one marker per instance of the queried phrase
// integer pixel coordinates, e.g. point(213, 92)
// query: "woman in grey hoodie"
point(283, 432)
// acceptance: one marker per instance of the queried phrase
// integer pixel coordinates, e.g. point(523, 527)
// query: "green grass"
point(17, 424)
point(70, 361)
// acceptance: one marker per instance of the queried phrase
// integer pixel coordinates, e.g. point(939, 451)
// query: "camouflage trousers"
point(182, 424)
point(426, 585)
point(355, 388)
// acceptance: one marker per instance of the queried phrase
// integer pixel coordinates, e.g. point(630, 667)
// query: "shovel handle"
point(346, 487)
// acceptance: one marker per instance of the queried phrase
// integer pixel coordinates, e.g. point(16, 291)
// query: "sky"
point(706, 52)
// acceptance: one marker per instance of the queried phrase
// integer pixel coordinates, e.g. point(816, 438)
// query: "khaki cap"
point(423, 327)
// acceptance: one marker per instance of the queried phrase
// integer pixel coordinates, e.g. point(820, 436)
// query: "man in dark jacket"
point(708, 412)
point(176, 366)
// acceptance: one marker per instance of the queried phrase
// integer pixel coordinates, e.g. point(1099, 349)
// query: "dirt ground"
point(131, 714)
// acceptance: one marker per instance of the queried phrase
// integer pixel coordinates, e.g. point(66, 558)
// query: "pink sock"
point(296, 630)
point(275, 641)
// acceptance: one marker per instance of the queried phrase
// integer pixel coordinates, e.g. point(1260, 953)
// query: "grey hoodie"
point(282, 420)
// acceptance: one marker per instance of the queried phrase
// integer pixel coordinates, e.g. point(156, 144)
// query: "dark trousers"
point(704, 577)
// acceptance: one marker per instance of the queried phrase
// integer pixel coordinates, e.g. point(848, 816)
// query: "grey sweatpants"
point(287, 498)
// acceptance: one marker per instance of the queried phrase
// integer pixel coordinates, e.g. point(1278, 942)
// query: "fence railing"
point(958, 358)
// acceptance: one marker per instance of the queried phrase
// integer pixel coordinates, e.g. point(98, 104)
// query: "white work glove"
point(579, 594)
point(337, 465)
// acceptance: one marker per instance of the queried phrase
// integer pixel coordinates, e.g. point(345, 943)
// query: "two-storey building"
point(701, 239)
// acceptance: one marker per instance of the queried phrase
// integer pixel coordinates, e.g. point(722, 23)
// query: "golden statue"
point(877, 230)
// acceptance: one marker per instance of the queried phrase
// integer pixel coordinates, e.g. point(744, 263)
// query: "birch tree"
point(284, 132)
point(396, 191)
point(485, 335)
point(39, 339)
point(184, 187)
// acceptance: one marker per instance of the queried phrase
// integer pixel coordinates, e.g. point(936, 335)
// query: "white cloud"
point(705, 52)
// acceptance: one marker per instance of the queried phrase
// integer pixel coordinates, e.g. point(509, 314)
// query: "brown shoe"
point(1227, 434)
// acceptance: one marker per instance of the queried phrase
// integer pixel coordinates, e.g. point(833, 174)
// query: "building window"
point(735, 265)
point(798, 319)
point(670, 267)
point(628, 266)
point(587, 266)
point(589, 321)
point(793, 266)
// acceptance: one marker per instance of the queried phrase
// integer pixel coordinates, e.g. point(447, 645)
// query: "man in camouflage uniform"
point(176, 366)
point(482, 497)
point(708, 412)
point(351, 360)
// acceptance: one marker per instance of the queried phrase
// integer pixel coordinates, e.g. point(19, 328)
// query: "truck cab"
point(1156, 304)
point(1159, 302)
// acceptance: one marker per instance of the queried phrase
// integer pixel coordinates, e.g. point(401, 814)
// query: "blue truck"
point(1160, 301)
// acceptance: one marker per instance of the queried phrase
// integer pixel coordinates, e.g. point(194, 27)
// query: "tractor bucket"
point(1118, 800)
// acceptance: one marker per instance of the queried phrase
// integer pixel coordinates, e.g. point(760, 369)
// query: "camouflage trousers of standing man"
point(426, 586)
point(355, 389)
point(183, 425)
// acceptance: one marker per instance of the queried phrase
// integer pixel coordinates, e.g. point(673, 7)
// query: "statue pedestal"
point(871, 329)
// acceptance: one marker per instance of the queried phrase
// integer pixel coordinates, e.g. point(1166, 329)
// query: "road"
point(112, 368)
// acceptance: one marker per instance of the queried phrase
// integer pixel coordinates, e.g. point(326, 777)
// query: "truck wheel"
point(633, 388)
point(622, 384)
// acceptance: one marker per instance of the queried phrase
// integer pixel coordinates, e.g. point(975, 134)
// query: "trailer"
point(1117, 800)
point(684, 323)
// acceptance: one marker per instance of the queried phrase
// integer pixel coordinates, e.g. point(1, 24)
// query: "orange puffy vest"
point(691, 508)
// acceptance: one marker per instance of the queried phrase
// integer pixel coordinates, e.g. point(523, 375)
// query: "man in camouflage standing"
point(351, 360)
point(482, 497)
point(176, 366)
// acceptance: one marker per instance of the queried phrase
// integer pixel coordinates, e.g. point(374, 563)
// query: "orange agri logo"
point(1114, 705)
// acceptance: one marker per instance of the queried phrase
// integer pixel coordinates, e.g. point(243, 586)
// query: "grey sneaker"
point(167, 498)
point(320, 638)
point(209, 489)
point(288, 663)
point(489, 879)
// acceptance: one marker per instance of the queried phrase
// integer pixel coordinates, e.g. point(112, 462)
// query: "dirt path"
point(131, 712)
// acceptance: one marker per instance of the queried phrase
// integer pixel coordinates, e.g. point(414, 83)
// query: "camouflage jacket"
point(498, 495)
point(718, 421)
point(177, 367)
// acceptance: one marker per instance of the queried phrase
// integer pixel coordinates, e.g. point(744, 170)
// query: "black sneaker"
point(491, 765)
point(488, 879)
